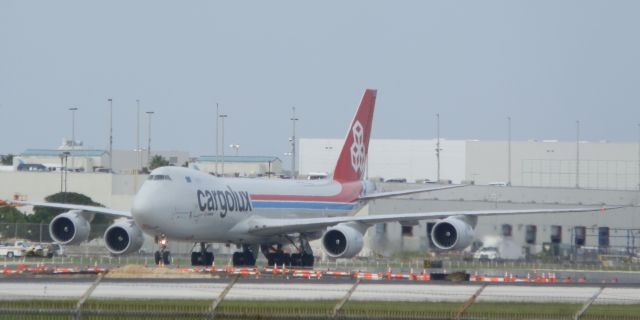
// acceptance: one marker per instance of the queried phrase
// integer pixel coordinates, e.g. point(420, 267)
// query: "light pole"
point(73, 125)
point(288, 154)
point(217, 138)
point(638, 156)
point(66, 172)
point(61, 172)
point(438, 149)
point(509, 150)
point(138, 160)
point(236, 147)
point(110, 134)
point(293, 144)
point(73, 133)
point(577, 154)
point(149, 113)
point(222, 117)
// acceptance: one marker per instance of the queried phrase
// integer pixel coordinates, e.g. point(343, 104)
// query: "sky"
point(545, 64)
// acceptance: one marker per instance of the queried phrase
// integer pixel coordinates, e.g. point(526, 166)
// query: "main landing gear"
point(162, 256)
point(275, 255)
point(202, 258)
point(247, 257)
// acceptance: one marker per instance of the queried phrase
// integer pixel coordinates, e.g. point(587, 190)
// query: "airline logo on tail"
point(358, 152)
point(352, 161)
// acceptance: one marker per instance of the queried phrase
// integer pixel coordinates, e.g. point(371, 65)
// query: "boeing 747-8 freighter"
point(178, 203)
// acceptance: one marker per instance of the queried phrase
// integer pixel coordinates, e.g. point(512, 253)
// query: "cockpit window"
point(159, 177)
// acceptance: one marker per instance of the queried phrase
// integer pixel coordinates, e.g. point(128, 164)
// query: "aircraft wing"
point(269, 226)
point(107, 211)
point(380, 195)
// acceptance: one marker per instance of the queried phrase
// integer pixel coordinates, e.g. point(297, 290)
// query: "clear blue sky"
point(544, 63)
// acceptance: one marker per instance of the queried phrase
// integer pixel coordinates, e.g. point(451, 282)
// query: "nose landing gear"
point(162, 256)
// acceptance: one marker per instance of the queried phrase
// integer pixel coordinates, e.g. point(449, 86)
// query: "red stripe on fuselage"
point(350, 192)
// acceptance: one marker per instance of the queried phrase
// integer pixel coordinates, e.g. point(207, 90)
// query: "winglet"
point(352, 162)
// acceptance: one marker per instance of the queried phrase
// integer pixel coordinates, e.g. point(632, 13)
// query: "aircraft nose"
point(142, 210)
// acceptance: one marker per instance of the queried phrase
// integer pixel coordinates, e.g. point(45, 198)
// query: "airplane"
point(184, 204)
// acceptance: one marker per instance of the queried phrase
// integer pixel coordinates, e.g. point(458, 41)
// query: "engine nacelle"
point(452, 233)
point(70, 228)
point(123, 237)
point(342, 241)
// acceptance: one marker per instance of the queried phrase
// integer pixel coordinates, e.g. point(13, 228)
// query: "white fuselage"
point(185, 204)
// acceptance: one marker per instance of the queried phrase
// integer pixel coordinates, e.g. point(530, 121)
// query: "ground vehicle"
point(487, 253)
point(44, 250)
point(16, 249)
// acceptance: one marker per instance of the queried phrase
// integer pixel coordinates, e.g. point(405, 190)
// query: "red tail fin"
point(353, 158)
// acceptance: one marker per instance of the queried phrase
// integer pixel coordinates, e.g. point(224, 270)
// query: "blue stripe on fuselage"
point(302, 205)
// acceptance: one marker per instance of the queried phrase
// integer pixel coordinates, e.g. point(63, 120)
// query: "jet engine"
point(452, 233)
point(342, 241)
point(123, 237)
point(70, 228)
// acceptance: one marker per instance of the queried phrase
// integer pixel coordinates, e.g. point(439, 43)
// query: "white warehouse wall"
point(409, 159)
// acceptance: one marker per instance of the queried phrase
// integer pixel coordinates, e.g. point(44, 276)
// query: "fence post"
point(469, 302)
point(344, 300)
point(85, 296)
point(216, 302)
point(588, 303)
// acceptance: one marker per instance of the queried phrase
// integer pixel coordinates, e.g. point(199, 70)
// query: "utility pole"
point(509, 151)
point(577, 154)
point(217, 138)
point(638, 156)
point(293, 144)
point(438, 149)
point(149, 114)
point(222, 117)
point(110, 134)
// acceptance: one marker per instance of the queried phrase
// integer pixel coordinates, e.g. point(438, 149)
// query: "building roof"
point(245, 159)
point(57, 153)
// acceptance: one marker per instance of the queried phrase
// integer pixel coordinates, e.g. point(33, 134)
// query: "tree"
point(13, 224)
point(44, 215)
point(7, 160)
point(12, 215)
point(158, 161)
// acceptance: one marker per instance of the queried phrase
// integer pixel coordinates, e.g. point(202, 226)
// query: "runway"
point(268, 289)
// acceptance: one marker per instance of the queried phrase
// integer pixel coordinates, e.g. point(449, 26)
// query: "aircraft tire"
point(307, 260)
point(166, 258)
point(270, 260)
point(296, 260)
point(208, 259)
point(196, 259)
point(248, 258)
point(157, 257)
point(238, 259)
